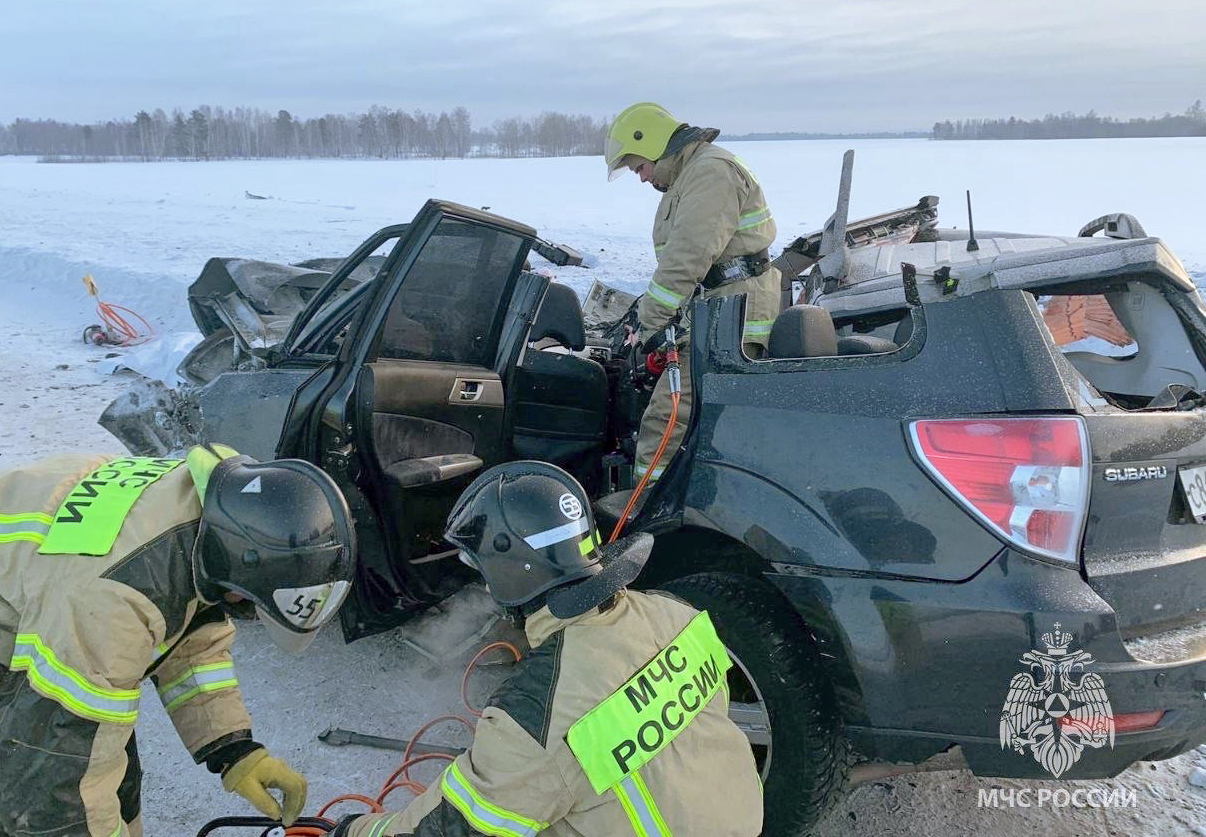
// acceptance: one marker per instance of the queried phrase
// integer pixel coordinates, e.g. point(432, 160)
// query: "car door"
point(413, 406)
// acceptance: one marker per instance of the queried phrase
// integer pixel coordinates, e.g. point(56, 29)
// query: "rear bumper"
point(921, 666)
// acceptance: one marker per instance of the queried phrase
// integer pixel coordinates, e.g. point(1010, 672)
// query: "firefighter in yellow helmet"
point(113, 569)
point(712, 228)
point(616, 723)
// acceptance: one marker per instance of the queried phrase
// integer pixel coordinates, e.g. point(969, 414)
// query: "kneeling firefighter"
point(113, 569)
point(617, 721)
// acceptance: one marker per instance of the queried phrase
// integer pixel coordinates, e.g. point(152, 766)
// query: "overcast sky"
point(741, 66)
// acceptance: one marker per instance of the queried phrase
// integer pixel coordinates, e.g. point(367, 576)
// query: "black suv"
point(958, 509)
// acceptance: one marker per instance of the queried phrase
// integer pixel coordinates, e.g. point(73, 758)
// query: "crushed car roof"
point(873, 278)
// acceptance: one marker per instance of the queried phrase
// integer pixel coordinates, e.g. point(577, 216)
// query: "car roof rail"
point(1115, 225)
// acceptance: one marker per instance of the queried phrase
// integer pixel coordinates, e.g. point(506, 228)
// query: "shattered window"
point(1130, 345)
point(450, 305)
point(327, 328)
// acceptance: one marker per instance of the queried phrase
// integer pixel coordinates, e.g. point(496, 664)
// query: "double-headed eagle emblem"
point(1056, 707)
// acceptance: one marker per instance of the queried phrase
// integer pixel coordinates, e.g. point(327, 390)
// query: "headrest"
point(560, 317)
point(864, 344)
point(803, 331)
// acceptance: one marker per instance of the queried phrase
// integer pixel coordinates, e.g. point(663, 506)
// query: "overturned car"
point(971, 460)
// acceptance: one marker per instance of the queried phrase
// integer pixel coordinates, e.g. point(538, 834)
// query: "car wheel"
point(778, 696)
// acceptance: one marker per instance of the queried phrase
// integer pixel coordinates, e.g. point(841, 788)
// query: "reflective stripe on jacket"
point(520, 777)
point(85, 630)
point(713, 210)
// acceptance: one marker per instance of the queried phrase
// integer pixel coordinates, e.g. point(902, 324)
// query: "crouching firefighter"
point(113, 569)
point(616, 723)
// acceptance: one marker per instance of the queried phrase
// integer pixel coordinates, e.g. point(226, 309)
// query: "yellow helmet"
point(644, 129)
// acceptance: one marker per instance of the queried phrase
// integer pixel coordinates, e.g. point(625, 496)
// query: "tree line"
point(215, 133)
point(1192, 123)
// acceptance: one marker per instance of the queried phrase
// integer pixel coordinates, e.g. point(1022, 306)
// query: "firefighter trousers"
point(31, 780)
point(657, 415)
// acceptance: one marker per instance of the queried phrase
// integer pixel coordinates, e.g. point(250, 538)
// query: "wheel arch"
point(690, 550)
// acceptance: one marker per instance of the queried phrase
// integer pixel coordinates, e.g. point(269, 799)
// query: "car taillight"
point(1026, 478)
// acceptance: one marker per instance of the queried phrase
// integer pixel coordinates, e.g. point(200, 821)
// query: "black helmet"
point(527, 528)
point(277, 533)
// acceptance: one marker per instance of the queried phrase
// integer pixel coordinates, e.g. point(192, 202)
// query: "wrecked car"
point(948, 520)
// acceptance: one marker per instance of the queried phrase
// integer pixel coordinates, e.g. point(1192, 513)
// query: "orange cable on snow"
point(120, 330)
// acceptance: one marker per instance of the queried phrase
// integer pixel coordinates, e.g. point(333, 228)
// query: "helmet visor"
point(283, 638)
point(300, 612)
point(309, 608)
point(613, 153)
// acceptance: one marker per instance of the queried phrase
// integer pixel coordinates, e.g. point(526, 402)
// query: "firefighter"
point(113, 569)
point(712, 229)
point(617, 721)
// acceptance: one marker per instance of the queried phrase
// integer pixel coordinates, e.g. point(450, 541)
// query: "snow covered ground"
point(144, 231)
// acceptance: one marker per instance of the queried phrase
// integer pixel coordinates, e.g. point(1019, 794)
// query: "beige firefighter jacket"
point(520, 776)
point(85, 630)
point(714, 210)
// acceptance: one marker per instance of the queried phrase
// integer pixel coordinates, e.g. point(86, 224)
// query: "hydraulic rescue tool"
point(668, 349)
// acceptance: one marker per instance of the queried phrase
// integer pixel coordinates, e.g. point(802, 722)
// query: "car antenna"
point(972, 246)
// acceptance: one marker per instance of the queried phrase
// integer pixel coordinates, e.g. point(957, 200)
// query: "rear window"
point(1129, 344)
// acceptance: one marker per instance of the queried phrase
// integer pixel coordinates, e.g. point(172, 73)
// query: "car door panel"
point(414, 399)
point(415, 406)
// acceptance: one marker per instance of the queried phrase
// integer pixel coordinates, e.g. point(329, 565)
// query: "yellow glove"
point(251, 776)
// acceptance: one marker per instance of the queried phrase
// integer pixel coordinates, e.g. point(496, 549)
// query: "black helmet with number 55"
point(527, 528)
point(277, 535)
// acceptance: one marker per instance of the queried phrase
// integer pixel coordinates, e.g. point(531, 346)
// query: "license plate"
point(1193, 483)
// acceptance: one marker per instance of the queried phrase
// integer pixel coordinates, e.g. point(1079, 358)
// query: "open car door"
point(413, 406)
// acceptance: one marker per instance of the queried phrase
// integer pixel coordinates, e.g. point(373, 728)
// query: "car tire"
point(777, 668)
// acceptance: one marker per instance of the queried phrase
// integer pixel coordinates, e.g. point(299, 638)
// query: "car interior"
point(805, 331)
point(435, 406)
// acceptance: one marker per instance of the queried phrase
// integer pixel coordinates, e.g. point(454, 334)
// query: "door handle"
point(486, 392)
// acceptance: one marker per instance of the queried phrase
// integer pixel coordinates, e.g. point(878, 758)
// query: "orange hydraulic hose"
point(674, 398)
point(374, 805)
point(404, 770)
point(400, 778)
point(472, 663)
point(406, 765)
point(675, 394)
point(414, 787)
